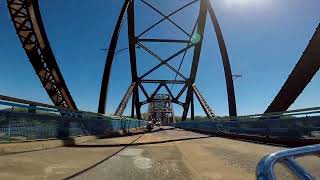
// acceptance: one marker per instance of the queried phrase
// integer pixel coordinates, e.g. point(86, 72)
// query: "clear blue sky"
point(264, 38)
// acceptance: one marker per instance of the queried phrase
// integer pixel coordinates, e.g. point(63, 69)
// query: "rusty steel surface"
point(207, 109)
point(138, 40)
point(27, 21)
point(125, 100)
point(303, 72)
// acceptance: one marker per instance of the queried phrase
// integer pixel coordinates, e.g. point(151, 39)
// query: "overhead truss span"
point(137, 41)
point(26, 17)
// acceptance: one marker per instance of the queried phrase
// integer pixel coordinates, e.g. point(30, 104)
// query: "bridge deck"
point(163, 154)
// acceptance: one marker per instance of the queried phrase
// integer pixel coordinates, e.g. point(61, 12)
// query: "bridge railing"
point(26, 120)
point(276, 115)
point(294, 128)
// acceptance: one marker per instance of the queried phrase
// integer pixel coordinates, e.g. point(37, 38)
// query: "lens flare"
point(195, 38)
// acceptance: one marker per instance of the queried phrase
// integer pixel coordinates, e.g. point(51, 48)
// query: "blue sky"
point(264, 38)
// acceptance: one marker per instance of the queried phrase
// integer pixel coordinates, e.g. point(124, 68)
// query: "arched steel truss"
point(27, 21)
point(307, 66)
point(188, 82)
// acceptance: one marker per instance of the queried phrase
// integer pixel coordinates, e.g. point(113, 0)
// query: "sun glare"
point(240, 3)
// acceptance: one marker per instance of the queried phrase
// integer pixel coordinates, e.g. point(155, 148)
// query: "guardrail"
point(32, 107)
point(265, 168)
point(297, 112)
point(292, 128)
point(28, 120)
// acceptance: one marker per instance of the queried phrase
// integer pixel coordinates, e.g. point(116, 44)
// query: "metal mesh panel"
point(302, 127)
point(16, 126)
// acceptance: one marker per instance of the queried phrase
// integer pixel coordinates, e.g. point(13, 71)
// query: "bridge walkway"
point(166, 153)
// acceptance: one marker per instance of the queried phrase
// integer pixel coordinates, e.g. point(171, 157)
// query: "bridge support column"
point(192, 107)
point(196, 56)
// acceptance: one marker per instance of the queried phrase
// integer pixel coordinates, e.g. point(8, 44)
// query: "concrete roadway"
point(164, 154)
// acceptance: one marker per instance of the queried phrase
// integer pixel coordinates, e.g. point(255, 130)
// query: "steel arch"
point(26, 17)
point(307, 66)
point(135, 40)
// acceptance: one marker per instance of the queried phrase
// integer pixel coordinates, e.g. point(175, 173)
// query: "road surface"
point(163, 154)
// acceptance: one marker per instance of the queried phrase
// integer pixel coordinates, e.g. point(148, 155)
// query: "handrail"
point(22, 101)
point(265, 168)
point(275, 114)
point(32, 105)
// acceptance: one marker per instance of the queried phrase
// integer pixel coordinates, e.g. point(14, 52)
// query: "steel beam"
point(144, 91)
point(207, 109)
point(164, 18)
point(132, 106)
point(225, 61)
point(133, 61)
point(162, 62)
point(196, 55)
point(185, 52)
point(307, 66)
point(169, 91)
point(192, 107)
point(27, 21)
point(109, 60)
point(164, 40)
point(125, 100)
point(181, 91)
point(162, 81)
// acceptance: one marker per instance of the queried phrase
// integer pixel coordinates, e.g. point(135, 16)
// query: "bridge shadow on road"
point(136, 144)
point(125, 145)
point(134, 133)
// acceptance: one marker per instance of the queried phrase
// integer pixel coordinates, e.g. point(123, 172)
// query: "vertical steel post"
point(192, 107)
point(132, 105)
point(196, 55)
point(133, 61)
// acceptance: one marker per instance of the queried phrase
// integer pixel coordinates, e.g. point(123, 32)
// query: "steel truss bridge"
point(65, 125)
point(160, 110)
point(28, 23)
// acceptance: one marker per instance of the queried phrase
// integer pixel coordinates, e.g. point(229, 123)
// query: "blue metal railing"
point(41, 121)
point(296, 124)
point(284, 114)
